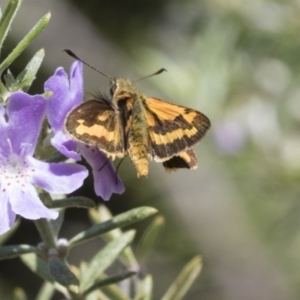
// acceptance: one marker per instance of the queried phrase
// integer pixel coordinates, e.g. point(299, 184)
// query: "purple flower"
point(66, 95)
point(20, 172)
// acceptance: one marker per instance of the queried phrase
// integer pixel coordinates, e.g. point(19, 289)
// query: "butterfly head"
point(122, 90)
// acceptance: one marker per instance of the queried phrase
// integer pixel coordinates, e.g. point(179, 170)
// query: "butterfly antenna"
point(156, 73)
point(72, 54)
point(117, 169)
point(104, 164)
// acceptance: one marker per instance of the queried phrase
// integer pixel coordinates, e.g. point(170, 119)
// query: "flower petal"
point(66, 95)
point(2, 116)
point(7, 216)
point(65, 145)
point(106, 181)
point(57, 178)
point(25, 114)
point(76, 82)
point(26, 203)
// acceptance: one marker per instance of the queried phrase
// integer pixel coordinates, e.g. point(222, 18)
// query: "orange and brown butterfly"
point(129, 123)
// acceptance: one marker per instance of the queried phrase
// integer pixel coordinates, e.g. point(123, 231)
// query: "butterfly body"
point(129, 123)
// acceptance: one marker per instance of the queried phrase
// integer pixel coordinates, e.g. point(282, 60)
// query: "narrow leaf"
point(62, 274)
point(57, 223)
point(145, 291)
point(45, 198)
point(184, 280)
point(79, 201)
point(7, 18)
point(46, 291)
point(40, 267)
point(56, 157)
point(7, 252)
point(108, 281)
point(46, 232)
point(4, 237)
point(9, 79)
point(37, 265)
point(3, 92)
point(31, 69)
point(127, 256)
point(24, 43)
point(121, 220)
point(149, 238)
point(113, 291)
point(105, 257)
point(102, 296)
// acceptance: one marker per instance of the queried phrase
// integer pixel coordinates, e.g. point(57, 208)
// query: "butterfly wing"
point(95, 122)
point(173, 129)
point(185, 159)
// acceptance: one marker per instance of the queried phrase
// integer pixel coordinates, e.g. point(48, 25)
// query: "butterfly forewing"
point(95, 122)
point(172, 128)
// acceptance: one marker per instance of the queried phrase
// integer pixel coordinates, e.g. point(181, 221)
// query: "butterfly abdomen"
point(138, 140)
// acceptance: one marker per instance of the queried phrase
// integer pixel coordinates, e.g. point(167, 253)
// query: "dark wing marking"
point(172, 128)
point(95, 122)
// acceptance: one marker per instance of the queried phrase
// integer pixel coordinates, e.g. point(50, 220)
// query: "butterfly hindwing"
point(172, 128)
point(95, 122)
point(186, 159)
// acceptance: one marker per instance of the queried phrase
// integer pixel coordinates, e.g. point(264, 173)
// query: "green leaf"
point(56, 157)
point(145, 291)
point(3, 92)
point(7, 18)
point(105, 257)
point(80, 201)
point(149, 238)
point(19, 294)
point(127, 256)
point(9, 79)
point(7, 252)
point(36, 30)
point(46, 232)
point(46, 291)
point(184, 280)
point(62, 274)
point(109, 281)
point(26, 77)
point(57, 223)
point(40, 267)
point(121, 220)
point(37, 265)
point(45, 197)
point(4, 237)
point(114, 292)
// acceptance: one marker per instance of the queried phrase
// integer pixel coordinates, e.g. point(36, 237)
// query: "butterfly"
point(127, 122)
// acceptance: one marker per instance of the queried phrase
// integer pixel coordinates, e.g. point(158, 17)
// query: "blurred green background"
point(239, 63)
